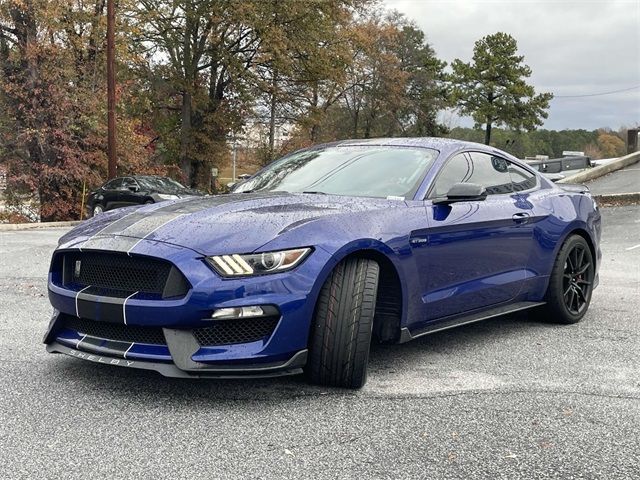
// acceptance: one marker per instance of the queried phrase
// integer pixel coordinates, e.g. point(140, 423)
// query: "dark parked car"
point(318, 253)
point(136, 190)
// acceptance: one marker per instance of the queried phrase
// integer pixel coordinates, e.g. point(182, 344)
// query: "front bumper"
point(292, 366)
point(284, 352)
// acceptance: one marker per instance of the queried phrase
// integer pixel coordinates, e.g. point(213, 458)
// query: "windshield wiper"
point(314, 193)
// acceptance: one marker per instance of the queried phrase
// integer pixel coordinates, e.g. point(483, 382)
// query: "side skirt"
point(437, 326)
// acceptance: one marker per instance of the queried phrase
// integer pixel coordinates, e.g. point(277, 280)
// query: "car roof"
point(445, 146)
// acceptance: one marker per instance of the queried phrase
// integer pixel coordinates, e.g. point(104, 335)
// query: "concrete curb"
point(618, 199)
point(7, 227)
point(596, 172)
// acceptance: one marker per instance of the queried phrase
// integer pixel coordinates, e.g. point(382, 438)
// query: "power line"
point(597, 94)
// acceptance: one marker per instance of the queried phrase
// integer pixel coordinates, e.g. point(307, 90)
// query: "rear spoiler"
point(573, 187)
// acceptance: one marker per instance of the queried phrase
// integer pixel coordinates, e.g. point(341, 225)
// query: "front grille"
point(244, 330)
point(118, 274)
point(116, 331)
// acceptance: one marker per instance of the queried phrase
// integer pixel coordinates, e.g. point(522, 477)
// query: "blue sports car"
point(319, 253)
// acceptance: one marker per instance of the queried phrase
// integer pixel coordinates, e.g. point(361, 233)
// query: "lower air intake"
point(116, 331)
point(242, 330)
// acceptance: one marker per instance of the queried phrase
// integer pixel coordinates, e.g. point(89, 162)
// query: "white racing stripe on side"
point(124, 311)
point(157, 228)
point(77, 295)
point(125, 353)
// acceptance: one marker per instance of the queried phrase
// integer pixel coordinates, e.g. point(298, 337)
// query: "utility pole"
point(111, 88)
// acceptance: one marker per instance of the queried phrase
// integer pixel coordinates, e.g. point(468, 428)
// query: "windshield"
point(159, 183)
point(360, 171)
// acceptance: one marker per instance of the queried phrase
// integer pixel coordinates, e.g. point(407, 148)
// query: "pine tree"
point(492, 87)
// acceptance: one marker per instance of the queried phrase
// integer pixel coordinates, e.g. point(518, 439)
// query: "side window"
point(473, 167)
point(113, 184)
point(456, 170)
point(522, 179)
point(128, 182)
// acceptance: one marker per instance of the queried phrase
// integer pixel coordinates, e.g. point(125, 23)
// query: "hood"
point(234, 223)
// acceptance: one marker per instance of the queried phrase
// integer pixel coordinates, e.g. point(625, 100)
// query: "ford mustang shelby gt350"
point(318, 253)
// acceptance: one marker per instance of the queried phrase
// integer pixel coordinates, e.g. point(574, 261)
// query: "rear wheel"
point(571, 282)
point(343, 321)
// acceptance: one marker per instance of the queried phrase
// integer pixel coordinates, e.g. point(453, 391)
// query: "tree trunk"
point(315, 127)
point(487, 131)
point(356, 121)
point(188, 66)
point(272, 116)
point(185, 136)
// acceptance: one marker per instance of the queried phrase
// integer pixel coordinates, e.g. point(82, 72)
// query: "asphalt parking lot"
point(626, 180)
point(506, 398)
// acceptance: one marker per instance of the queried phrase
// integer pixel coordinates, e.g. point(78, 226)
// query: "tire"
point(149, 202)
point(97, 210)
point(571, 283)
point(342, 325)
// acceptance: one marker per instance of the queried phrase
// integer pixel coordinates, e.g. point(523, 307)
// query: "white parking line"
point(633, 248)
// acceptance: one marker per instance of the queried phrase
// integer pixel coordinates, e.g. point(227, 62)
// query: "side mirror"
point(462, 192)
point(133, 188)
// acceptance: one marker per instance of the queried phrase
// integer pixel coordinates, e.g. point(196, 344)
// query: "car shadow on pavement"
point(391, 361)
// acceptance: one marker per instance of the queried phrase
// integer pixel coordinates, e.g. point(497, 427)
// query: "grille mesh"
point(122, 274)
point(245, 330)
point(116, 331)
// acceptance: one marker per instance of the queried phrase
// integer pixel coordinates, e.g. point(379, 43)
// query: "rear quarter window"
point(521, 178)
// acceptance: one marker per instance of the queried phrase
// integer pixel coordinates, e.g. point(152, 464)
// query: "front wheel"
point(571, 282)
point(342, 325)
point(97, 209)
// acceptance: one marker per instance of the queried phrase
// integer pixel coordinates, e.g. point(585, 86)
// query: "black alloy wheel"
point(570, 283)
point(577, 279)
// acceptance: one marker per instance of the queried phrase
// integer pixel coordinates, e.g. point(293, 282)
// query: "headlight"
point(166, 196)
point(257, 263)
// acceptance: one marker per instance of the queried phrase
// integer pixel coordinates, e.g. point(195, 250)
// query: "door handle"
point(520, 217)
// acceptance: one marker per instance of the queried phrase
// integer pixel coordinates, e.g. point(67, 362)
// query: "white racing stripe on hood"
point(134, 225)
point(127, 239)
point(113, 243)
point(140, 224)
point(173, 217)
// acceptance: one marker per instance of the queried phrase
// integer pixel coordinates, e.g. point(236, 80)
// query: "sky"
point(573, 48)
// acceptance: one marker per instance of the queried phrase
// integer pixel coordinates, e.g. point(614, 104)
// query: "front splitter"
point(293, 366)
